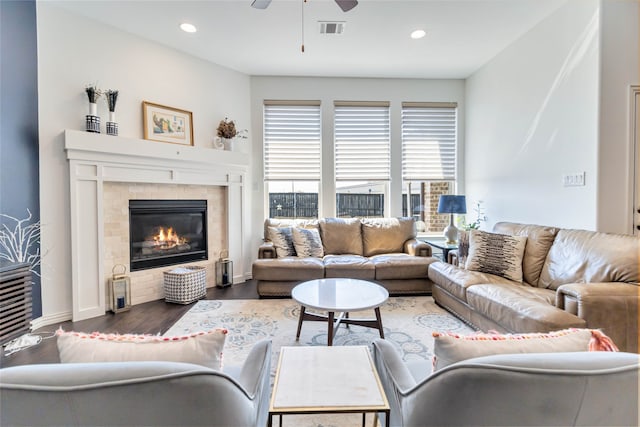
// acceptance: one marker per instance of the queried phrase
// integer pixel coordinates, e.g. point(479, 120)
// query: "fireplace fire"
point(167, 232)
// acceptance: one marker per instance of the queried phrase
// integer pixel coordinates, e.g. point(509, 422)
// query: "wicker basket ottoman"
point(184, 285)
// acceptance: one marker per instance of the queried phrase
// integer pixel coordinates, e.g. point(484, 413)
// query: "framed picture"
point(167, 124)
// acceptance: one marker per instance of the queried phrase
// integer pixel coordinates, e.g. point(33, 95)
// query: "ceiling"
point(462, 35)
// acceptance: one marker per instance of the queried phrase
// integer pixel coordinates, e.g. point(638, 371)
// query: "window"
point(292, 158)
point(361, 152)
point(429, 158)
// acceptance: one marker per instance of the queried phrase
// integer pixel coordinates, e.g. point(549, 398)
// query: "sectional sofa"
point(382, 250)
point(571, 278)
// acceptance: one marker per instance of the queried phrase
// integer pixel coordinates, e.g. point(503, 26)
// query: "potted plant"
point(227, 132)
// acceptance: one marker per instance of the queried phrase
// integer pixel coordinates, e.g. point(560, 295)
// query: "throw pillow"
point(450, 348)
point(497, 254)
point(307, 242)
point(202, 348)
point(282, 239)
point(463, 248)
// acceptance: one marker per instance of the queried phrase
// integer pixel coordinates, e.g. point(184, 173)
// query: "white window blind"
point(291, 141)
point(361, 133)
point(428, 141)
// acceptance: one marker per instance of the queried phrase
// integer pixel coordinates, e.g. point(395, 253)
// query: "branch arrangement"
point(93, 93)
point(22, 243)
point(112, 96)
point(227, 129)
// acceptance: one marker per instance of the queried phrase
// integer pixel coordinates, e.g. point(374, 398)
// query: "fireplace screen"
point(167, 232)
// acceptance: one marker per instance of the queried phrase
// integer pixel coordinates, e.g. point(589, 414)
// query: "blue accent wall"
point(19, 162)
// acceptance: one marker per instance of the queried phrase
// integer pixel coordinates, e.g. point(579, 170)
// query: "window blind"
point(291, 141)
point(361, 137)
point(429, 142)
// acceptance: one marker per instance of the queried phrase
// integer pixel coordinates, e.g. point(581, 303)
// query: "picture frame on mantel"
point(167, 124)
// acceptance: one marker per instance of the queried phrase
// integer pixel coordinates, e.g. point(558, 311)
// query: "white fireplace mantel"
point(95, 159)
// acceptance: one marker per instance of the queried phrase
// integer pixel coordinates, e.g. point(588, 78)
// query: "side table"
point(442, 245)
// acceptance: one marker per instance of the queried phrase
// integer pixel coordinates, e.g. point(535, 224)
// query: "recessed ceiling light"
point(188, 28)
point(418, 34)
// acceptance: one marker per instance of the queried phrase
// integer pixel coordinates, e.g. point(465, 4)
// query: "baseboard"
point(50, 320)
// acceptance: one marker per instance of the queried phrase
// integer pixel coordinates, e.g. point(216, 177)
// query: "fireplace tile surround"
point(105, 172)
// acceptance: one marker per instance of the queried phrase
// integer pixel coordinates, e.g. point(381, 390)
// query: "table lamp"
point(452, 204)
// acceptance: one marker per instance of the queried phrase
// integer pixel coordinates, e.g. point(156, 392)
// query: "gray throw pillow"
point(282, 239)
point(307, 242)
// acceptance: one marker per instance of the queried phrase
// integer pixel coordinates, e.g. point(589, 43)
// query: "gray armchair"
point(137, 393)
point(544, 389)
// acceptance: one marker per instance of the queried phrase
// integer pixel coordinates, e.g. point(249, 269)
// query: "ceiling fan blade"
point(346, 5)
point(260, 4)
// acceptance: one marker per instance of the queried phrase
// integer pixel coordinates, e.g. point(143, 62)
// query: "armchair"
point(543, 389)
point(137, 393)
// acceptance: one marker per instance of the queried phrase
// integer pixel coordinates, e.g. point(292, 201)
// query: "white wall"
point(532, 116)
point(620, 68)
point(74, 52)
point(328, 90)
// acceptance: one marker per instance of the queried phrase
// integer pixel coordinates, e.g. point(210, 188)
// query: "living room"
point(558, 118)
point(554, 101)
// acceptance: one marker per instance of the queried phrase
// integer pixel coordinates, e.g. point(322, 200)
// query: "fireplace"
point(167, 232)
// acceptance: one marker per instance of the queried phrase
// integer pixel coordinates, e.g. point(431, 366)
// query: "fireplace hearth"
point(167, 232)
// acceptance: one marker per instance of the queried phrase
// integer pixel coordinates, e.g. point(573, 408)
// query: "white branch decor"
point(22, 243)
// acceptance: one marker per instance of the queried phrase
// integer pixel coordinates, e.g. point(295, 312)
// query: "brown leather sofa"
point(572, 278)
point(381, 250)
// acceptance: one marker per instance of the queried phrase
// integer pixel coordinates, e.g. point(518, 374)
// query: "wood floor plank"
point(154, 317)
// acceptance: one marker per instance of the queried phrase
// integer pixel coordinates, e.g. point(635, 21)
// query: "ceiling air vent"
point(333, 27)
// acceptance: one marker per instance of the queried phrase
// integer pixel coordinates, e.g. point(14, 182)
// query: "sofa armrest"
point(417, 248)
point(267, 250)
point(611, 306)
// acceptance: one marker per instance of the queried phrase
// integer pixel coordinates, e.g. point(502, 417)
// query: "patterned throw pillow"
point(282, 239)
point(307, 242)
point(497, 254)
point(201, 348)
point(450, 348)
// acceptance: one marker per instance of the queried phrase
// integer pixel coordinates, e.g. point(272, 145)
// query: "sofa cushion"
point(521, 308)
point(456, 280)
point(450, 348)
point(539, 240)
point(202, 348)
point(307, 242)
point(401, 266)
point(341, 236)
point(497, 254)
point(288, 269)
point(587, 256)
point(282, 239)
point(352, 266)
point(386, 235)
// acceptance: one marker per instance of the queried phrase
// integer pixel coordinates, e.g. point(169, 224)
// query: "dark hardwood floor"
point(154, 317)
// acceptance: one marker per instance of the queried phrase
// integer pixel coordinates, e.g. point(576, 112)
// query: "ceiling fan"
point(345, 5)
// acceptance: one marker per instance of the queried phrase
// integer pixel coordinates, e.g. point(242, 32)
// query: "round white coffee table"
point(342, 296)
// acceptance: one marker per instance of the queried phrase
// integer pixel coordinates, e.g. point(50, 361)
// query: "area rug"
point(407, 322)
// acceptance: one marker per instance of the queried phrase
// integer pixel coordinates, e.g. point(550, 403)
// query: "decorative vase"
point(228, 143)
point(92, 119)
point(112, 126)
